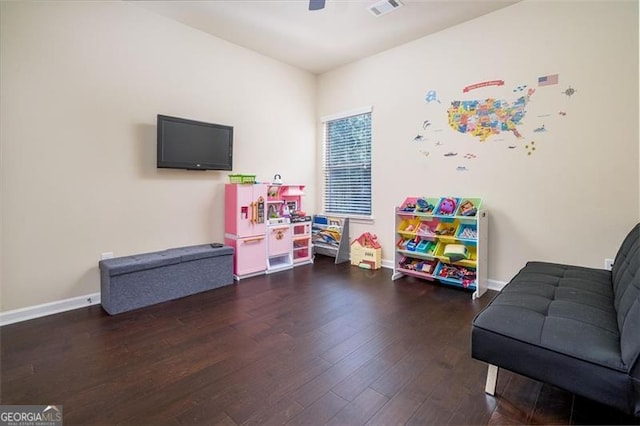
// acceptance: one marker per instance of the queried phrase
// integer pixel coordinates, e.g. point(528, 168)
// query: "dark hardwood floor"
point(319, 344)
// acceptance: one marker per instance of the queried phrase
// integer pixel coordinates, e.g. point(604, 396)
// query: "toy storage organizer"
point(330, 237)
point(443, 239)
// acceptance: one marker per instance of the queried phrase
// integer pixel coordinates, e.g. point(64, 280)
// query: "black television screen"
point(194, 145)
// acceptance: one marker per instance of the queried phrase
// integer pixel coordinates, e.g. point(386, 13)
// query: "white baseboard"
point(495, 284)
point(387, 264)
point(37, 311)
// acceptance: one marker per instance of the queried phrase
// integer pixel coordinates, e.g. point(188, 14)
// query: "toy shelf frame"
point(436, 260)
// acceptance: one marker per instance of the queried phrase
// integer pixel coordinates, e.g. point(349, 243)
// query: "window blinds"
point(347, 165)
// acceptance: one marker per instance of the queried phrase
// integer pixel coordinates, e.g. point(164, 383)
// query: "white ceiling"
point(318, 41)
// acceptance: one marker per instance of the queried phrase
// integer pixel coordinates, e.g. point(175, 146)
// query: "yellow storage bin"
point(447, 230)
point(409, 226)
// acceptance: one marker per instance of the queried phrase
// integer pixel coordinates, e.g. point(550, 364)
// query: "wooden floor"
point(320, 344)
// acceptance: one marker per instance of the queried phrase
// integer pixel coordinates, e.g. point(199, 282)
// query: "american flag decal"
point(548, 80)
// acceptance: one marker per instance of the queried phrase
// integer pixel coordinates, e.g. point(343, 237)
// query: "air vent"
point(384, 6)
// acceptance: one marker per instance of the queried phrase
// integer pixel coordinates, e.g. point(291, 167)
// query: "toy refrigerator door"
point(245, 206)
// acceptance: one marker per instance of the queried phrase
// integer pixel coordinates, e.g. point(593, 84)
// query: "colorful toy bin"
point(366, 252)
point(441, 207)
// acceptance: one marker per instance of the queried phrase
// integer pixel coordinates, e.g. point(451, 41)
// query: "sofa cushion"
point(547, 305)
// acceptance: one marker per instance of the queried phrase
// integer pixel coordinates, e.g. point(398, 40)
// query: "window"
point(347, 164)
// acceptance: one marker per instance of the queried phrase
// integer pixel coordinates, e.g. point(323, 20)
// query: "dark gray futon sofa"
point(573, 327)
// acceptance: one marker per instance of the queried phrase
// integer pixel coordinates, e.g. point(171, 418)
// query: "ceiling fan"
point(316, 4)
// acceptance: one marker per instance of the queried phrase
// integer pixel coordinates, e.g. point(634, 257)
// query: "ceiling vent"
point(384, 6)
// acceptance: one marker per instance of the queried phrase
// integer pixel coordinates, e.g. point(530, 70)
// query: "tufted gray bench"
point(131, 282)
point(576, 328)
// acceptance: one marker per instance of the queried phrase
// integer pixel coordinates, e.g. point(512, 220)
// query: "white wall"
point(81, 85)
point(577, 195)
point(82, 82)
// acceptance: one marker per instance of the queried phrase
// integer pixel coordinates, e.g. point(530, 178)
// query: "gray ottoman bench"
point(132, 282)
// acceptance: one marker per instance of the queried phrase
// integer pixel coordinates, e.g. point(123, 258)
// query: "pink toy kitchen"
point(267, 227)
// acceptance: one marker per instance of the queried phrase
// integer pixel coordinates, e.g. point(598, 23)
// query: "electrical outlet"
point(107, 255)
point(608, 264)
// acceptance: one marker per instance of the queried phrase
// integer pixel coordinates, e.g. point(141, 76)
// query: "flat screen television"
point(194, 145)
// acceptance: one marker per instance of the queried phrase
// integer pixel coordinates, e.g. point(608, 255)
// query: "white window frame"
point(325, 120)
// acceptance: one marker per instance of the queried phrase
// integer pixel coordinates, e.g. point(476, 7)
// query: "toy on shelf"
point(409, 207)
point(446, 230)
point(431, 249)
point(273, 212)
point(426, 266)
point(468, 232)
point(469, 207)
point(456, 252)
point(328, 236)
point(447, 206)
point(412, 244)
point(418, 265)
point(273, 192)
point(423, 246)
point(466, 276)
point(427, 229)
point(424, 206)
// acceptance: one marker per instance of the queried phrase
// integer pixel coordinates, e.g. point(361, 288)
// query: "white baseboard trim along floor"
point(37, 311)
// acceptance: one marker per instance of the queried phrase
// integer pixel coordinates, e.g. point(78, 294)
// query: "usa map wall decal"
point(487, 117)
point(490, 117)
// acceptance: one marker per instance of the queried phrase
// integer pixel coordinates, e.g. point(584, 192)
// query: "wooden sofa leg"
point(492, 379)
